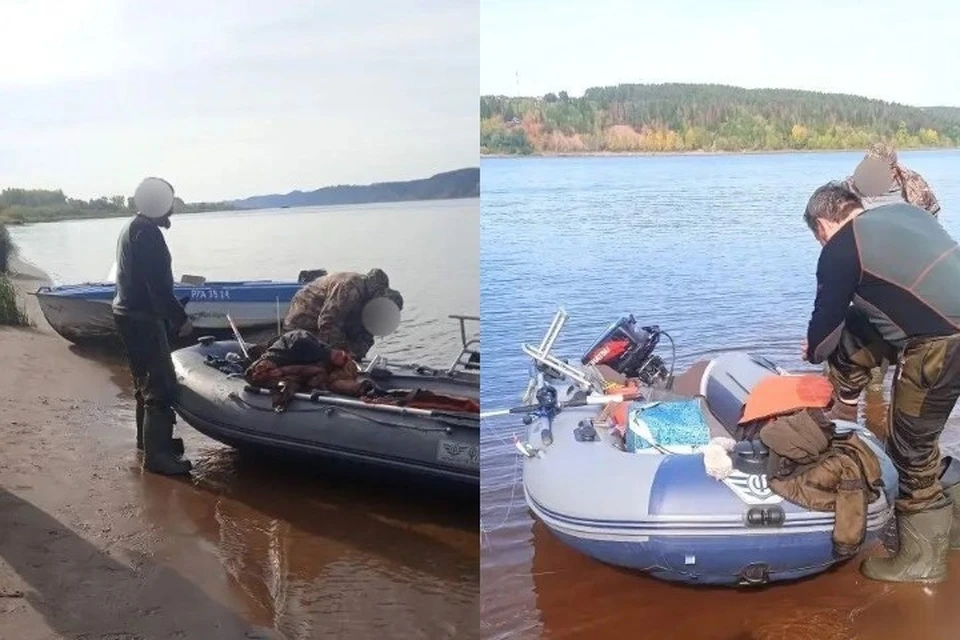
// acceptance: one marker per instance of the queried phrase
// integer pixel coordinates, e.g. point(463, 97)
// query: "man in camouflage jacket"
point(331, 308)
point(880, 179)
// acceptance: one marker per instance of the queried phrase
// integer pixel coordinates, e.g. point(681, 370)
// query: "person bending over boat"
point(901, 271)
point(331, 308)
point(880, 179)
point(145, 309)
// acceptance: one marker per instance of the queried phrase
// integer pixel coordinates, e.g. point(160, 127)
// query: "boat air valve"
point(755, 574)
point(750, 457)
point(206, 340)
point(585, 432)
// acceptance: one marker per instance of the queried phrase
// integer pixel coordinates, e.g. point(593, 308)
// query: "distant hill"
point(462, 183)
point(705, 117)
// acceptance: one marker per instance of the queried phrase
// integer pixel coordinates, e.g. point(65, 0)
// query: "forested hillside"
point(694, 117)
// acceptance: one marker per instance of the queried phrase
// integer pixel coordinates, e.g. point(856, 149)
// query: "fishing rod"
point(589, 400)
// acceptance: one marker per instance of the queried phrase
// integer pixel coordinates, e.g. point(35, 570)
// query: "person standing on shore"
point(145, 309)
point(904, 304)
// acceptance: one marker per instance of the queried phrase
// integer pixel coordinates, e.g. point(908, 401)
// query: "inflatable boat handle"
point(317, 398)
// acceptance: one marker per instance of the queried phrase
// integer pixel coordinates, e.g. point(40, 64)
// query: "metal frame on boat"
point(465, 367)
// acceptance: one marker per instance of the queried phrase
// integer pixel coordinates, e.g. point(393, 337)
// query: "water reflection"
point(304, 551)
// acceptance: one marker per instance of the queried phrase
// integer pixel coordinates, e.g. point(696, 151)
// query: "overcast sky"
point(904, 52)
point(263, 97)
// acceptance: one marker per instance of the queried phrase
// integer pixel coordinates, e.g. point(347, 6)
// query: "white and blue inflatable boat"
point(655, 508)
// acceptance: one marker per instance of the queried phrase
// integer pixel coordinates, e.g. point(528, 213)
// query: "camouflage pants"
point(926, 387)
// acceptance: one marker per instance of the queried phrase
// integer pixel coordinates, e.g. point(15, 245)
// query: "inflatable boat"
point(655, 509)
point(214, 399)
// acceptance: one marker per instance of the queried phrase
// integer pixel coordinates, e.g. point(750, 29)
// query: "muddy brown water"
point(307, 553)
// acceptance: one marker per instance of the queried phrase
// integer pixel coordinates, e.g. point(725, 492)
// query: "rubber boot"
point(158, 445)
point(176, 443)
point(922, 556)
point(954, 493)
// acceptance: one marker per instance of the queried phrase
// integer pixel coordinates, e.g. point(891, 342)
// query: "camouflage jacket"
point(330, 308)
point(904, 186)
point(916, 191)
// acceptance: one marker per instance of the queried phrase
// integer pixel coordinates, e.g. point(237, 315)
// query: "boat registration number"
point(461, 454)
point(209, 294)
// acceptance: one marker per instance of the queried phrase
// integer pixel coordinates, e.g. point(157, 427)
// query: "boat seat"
point(687, 385)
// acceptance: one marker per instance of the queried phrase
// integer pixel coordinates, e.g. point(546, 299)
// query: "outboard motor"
point(628, 350)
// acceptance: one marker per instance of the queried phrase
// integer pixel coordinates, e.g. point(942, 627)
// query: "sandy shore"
point(81, 553)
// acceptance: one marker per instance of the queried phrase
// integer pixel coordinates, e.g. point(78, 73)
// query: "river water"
point(307, 555)
point(714, 250)
point(430, 250)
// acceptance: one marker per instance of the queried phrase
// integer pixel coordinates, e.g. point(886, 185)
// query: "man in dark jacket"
point(145, 309)
point(888, 286)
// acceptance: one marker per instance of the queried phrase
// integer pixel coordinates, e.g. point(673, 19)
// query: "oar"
point(324, 397)
point(589, 400)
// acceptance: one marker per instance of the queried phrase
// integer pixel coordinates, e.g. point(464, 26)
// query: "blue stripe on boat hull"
point(715, 560)
point(209, 292)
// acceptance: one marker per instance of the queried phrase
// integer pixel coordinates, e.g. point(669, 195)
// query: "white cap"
point(154, 198)
point(381, 316)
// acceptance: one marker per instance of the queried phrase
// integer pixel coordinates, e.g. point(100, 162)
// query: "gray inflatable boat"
point(214, 399)
point(655, 508)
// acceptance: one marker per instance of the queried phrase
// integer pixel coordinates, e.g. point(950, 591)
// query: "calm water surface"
point(309, 555)
point(430, 250)
point(714, 250)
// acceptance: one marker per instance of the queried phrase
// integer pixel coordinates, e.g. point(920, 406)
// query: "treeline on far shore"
point(22, 206)
point(705, 118)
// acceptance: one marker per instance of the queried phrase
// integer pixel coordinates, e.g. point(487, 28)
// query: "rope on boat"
point(515, 481)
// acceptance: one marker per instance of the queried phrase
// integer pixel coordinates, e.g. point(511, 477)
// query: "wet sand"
point(536, 587)
point(91, 547)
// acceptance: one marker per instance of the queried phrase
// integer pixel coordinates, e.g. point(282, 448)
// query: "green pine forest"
point(671, 118)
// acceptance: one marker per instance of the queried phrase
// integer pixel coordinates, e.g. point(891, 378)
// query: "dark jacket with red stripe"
point(898, 265)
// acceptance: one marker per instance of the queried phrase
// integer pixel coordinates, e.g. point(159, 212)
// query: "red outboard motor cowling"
point(628, 350)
